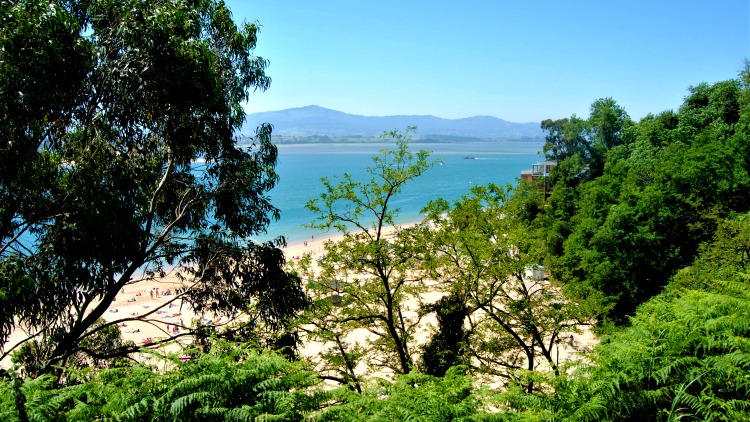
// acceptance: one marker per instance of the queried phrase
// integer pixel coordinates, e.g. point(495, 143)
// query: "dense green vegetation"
point(645, 234)
point(632, 203)
point(108, 107)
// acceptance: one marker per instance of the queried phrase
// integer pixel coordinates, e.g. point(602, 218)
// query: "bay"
point(301, 166)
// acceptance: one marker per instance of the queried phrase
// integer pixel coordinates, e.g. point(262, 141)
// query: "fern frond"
point(241, 414)
point(181, 404)
point(137, 411)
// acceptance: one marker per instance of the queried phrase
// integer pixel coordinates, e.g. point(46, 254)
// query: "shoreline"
point(145, 318)
point(142, 315)
point(315, 244)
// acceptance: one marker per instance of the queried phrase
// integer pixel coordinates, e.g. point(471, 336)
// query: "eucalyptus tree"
point(365, 280)
point(120, 159)
point(564, 138)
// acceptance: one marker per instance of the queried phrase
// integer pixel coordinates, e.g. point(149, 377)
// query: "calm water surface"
point(301, 167)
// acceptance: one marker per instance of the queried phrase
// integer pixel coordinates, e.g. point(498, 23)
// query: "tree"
point(564, 138)
point(101, 349)
point(446, 348)
point(652, 193)
point(120, 159)
point(589, 139)
point(480, 249)
point(365, 279)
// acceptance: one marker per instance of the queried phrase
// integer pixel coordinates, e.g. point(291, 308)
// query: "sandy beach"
point(151, 310)
point(568, 348)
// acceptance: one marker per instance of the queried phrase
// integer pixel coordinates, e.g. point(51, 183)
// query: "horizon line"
point(391, 115)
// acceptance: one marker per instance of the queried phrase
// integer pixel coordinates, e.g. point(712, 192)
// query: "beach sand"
point(569, 347)
point(145, 318)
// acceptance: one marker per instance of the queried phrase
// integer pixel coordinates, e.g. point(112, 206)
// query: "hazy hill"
point(319, 121)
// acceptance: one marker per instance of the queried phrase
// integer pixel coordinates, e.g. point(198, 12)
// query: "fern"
point(238, 385)
point(137, 411)
point(685, 356)
point(241, 414)
point(181, 405)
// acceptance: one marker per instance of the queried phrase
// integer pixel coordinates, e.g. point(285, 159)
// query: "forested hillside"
point(633, 202)
point(641, 237)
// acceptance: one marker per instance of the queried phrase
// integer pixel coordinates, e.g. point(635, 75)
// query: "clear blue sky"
point(519, 61)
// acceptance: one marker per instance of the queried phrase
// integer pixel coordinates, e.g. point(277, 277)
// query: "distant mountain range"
point(318, 121)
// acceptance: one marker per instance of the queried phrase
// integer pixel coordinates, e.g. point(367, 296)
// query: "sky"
point(521, 61)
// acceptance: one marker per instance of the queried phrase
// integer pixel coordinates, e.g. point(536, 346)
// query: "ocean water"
point(300, 168)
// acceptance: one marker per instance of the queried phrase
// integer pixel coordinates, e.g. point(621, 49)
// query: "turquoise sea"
point(300, 168)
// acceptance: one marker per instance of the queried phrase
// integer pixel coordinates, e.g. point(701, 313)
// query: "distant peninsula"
point(314, 124)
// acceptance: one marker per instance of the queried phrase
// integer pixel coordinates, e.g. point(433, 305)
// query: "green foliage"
point(414, 397)
point(564, 138)
point(633, 205)
point(687, 353)
point(447, 346)
point(729, 251)
point(571, 396)
point(42, 69)
point(365, 205)
point(479, 249)
point(119, 156)
point(108, 107)
point(666, 187)
point(588, 140)
point(32, 399)
point(365, 279)
point(104, 347)
point(234, 383)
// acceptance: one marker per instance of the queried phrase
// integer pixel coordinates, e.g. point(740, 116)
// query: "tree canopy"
point(661, 188)
point(365, 280)
point(480, 249)
point(120, 160)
